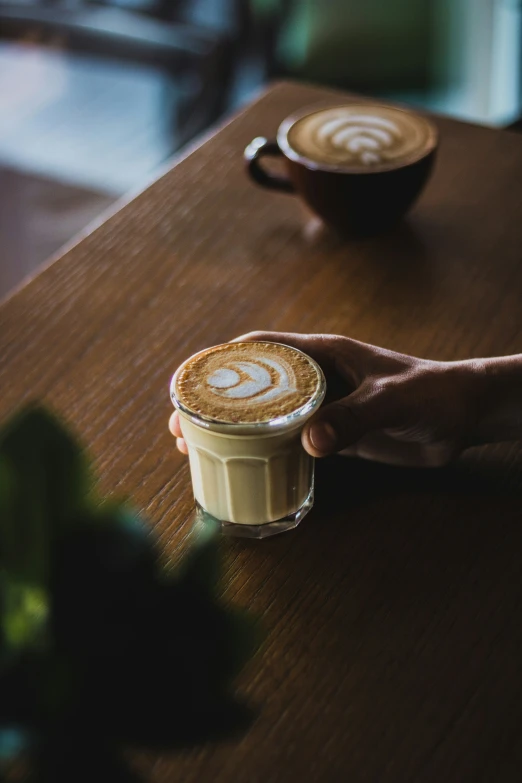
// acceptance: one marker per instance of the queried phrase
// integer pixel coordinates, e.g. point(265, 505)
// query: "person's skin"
point(395, 408)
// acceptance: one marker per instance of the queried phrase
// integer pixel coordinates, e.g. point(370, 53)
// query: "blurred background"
point(95, 95)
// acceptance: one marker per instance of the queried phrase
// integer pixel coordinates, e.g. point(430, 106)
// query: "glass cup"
point(255, 479)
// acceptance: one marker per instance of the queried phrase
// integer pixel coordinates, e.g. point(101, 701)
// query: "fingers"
point(341, 424)
point(315, 345)
point(338, 424)
point(175, 428)
point(331, 351)
point(174, 425)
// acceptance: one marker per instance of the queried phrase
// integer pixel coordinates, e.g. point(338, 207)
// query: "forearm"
point(497, 388)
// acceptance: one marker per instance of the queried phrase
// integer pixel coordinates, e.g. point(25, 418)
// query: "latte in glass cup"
point(242, 408)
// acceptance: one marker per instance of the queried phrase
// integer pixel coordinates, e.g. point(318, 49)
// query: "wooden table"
point(38, 216)
point(394, 613)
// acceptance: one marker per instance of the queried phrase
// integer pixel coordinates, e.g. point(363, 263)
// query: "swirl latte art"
point(259, 380)
point(247, 382)
point(364, 137)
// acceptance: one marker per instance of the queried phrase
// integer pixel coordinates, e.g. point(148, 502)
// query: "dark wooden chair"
point(38, 213)
point(198, 61)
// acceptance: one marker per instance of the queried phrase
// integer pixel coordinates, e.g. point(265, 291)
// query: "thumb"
point(342, 423)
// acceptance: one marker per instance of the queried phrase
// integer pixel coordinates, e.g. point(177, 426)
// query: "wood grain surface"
point(394, 613)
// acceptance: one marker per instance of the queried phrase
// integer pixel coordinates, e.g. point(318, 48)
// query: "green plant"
point(101, 647)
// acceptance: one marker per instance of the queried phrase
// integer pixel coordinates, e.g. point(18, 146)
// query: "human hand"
point(383, 405)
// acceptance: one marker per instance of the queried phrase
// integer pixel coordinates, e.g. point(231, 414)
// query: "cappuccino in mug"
point(359, 167)
point(242, 408)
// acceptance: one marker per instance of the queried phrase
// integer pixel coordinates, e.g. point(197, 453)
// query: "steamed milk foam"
point(242, 408)
point(361, 138)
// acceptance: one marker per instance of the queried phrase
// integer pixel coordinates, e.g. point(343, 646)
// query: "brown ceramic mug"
point(359, 167)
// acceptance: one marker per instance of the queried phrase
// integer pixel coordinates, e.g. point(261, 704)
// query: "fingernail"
point(322, 437)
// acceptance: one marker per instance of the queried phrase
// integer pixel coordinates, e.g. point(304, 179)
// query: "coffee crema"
point(247, 383)
point(365, 138)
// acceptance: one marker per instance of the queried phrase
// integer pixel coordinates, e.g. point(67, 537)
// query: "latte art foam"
point(259, 380)
point(247, 382)
point(361, 137)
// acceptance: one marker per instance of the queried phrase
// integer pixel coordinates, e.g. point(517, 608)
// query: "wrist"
point(494, 392)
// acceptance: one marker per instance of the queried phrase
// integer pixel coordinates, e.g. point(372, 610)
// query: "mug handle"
point(260, 148)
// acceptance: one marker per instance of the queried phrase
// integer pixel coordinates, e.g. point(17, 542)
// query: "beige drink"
point(242, 407)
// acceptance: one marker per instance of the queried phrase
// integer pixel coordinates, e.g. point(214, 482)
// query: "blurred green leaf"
point(103, 585)
point(94, 638)
point(74, 759)
point(231, 635)
point(24, 616)
point(45, 484)
point(182, 727)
